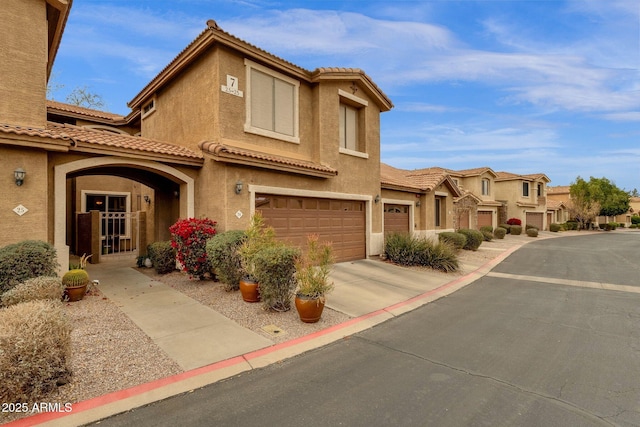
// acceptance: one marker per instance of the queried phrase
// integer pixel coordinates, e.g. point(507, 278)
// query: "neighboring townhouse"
point(418, 201)
point(226, 128)
point(558, 203)
point(478, 185)
point(523, 197)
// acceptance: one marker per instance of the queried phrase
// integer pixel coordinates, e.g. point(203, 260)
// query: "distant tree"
point(634, 193)
point(583, 207)
point(83, 97)
point(613, 201)
point(597, 193)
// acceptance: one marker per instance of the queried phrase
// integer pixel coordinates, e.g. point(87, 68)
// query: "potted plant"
point(75, 281)
point(312, 275)
point(258, 236)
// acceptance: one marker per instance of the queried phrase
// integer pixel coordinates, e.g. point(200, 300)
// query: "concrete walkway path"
point(192, 334)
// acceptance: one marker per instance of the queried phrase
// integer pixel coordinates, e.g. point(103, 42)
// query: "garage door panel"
point(338, 221)
point(485, 218)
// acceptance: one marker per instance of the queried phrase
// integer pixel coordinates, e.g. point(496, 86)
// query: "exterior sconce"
point(377, 199)
point(418, 203)
point(147, 199)
point(19, 175)
point(238, 187)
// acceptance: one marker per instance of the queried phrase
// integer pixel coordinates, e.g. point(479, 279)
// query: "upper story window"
point(272, 103)
point(525, 189)
point(485, 187)
point(148, 108)
point(539, 190)
point(352, 124)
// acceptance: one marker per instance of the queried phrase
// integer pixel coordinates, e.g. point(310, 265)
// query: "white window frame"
point(248, 126)
point(359, 104)
point(485, 189)
point(150, 108)
point(127, 195)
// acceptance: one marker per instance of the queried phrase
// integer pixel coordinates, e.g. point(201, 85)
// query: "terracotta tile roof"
point(507, 176)
point(558, 189)
point(235, 155)
point(82, 111)
point(418, 180)
point(554, 204)
point(90, 140)
point(473, 171)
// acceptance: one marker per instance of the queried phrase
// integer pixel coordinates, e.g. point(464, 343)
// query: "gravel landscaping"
point(111, 353)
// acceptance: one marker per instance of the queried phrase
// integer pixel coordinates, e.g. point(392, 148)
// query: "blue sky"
point(525, 86)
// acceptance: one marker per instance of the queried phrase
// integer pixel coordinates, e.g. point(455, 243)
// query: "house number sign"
point(20, 210)
point(232, 86)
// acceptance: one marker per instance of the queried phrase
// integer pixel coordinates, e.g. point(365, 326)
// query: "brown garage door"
point(396, 218)
point(341, 222)
point(485, 218)
point(535, 219)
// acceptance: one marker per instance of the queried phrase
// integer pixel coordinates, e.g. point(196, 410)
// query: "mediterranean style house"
point(524, 197)
point(222, 131)
point(226, 129)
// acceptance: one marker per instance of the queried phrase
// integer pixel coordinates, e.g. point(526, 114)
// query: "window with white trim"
point(272, 103)
point(148, 108)
point(351, 124)
point(485, 187)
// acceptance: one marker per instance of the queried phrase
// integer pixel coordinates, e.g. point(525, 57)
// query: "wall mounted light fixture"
point(377, 199)
point(418, 203)
point(147, 199)
point(238, 187)
point(19, 175)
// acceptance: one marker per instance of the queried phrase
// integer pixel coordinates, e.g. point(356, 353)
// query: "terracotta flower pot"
point(309, 309)
point(75, 293)
point(249, 290)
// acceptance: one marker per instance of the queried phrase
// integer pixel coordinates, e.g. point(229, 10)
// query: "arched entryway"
point(167, 180)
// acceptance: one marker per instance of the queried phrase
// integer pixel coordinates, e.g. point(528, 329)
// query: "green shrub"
point(499, 232)
point(404, 249)
point(516, 230)
point(507, 227)
point(555, 227)
point(162, 256)
point(35, 349)
point(486, 228)
point(621, 224)
point(25, 260)
point(532, 232)
point(474, 239)
point(571, 225)
point(528, 226)
point(635, 219)
point(611, 226)
point(275, 267)
point(488, 235)
point(633, 226)
point(36, 288)
point(458, 240)
point(222, 251)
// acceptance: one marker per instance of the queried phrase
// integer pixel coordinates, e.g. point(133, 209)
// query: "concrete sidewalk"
point(192, 334)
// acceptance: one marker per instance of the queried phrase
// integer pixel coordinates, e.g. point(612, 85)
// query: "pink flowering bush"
point(189, 238)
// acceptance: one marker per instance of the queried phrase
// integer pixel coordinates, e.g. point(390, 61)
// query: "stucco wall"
point(33, 225)
point(23, 62)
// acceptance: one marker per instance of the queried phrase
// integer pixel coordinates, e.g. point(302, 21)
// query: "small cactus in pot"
point(75, 281)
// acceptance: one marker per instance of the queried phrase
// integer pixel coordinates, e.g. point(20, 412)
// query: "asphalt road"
point(504, 351)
